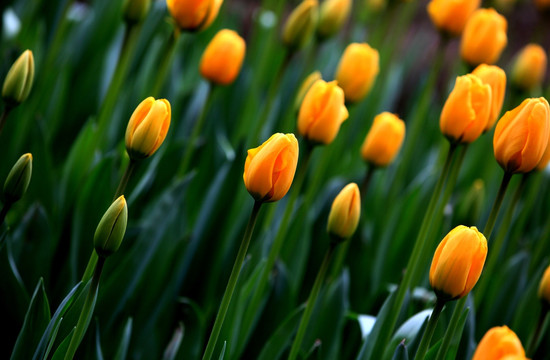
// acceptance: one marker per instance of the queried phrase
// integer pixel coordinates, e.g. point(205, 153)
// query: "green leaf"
point(280, 340)
point(124, 341)
point(222, 354)
point(172, 349)
point(410, 330)
point(63, 347)
point(401, 352)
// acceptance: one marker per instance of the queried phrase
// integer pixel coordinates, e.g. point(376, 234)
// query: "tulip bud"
point(514, 357)
point(301, 24)
point(18, 179)
point(194, 15)
point(222, 60)
point(111, 228)
point(269, 169)
point(495, 77)
point(332, 15)
point(384, 139)
point(521, 136)
point(543, 163)
point(18, 82)
point(344, 213)
point(304, 88)
point(484, 37)
point(497, 343)
point(376, 6)
point(457, 262)
point(322, 112)
point(357, 71)
point(147, 128)
point(466, 112)
point(529, 68)
point(471, 205)
point(451, 16)
point(544, 287)
point(134, 11)
point(542, 5)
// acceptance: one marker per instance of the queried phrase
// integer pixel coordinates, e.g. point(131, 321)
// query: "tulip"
point(542, 5)
point(332, 16)
point(383, 140)
point(466, 112)
point(18, 82)
point(18, 179)
point(376, 6)
point(495, 77)
point(458, 262)
point(451, 16)
point(304, 88)
point(544, 287)
point(530, 67)
point(545, 158)
point(484, 37)
point(357, 70)
point(301, 24)
point(147, 128)
point(521, 136)
point(111, 228)
point(222, 60)
point(269, 169)
point(344, 213)
point(497, 343)
point(322, 112)
point(194, 15)
point(134, 11)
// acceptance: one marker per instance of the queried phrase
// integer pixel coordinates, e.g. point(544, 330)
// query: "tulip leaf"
point(174, 345)
point(61, 350)
point(400, 352)
point(124, 341)
point(222, 353)
point(408, 332)
point(280, 340)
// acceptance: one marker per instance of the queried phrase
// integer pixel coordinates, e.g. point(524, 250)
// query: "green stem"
point(537, 335)
point(311, 300)
point(4, 211)
point(220, 317)
point(86, 313)
point(490, 225)
point(366, 180)
point(4, 116)
point(166, 55)
point(428, 334)
point(451, 328)
point(124, 180)
point(90, 267)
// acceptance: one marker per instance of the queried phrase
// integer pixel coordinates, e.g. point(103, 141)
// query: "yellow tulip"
point(497, 343)
point(332, 16)
point(344, 213)
point(495, 77)
point(384, 139)
point(301, 24)
point(222, 60)
point(357, 71)
point(18, 179)
point(19, 79)
point(484, 37)
point(194, 15)
point(451, 16)
point(544, 287)
point(530, 67)
point(134, 11)
point(543, 163)
point(304, 88)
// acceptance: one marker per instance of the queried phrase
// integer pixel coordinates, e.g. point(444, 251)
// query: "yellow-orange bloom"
point(301, 24)
point(344, 213)
point(543, 163)
point(222, 60)
point(530, 67)
point(484, 37)
point(332, 16)
point(544, 287)
point(521, 136)
point(457, 262)
point(304, 88)
point(451, 16)
point(357, 70)
point(194, 15)
point(147, 128)
point(497, 343)
point(466, 112)
point(384, 139)
point(495, 77)
point(542, 5)
point(269, 169)
point(322, 112)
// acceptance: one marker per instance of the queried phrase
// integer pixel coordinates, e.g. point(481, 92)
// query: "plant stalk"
point(166, 55)
point(428, 334)
point(125, 178)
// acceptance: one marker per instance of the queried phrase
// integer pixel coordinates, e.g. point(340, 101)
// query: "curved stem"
point(166, 55)
point(537, 335)
point(451, 328)
point(4, 116)
point(226, 300)
point(428, 334)
point(124, 180)
point(490, 225)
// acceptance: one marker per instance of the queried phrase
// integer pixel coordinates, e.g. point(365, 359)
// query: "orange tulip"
point(521, 136)
point(344, 213)
point(545, 158)
point(269, 169)
point(497, 343)
point(322, 112)
point(466, 112)
point(304, 88)
point(542, 5)
point(495, 77)
point(194, 15)
point(544, 287)
point(484, 37)
point(222, 60)
point(530, 67)
point(451, 16)
point(357, 70)
point(458, 262)
point(384, 139)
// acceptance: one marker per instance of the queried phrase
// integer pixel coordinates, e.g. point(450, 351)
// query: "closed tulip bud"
point(18, 179)
point(543, 163)
point(544, 287)
point(304, 88)
point(530, 67)
point(484, 37)
point(301, 24)
point(147, 128)
point(322, 112)
point(497, 343)
point(222, 60)
point(18, 82)
point(134, 11)
point(357, 71)
point(344, 213)
point(269, 169)
point(495, 77)
point(451, 16)
point(521, 136)
point(376, 6)
point(466, 112)
point(194, 15)
point(384, 139)
point(514, 357)
point(332, 16)
point(458, 262)
point(111, 228)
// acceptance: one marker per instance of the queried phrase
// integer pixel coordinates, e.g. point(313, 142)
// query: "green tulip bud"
point(332, 16)
point(134, 11)
point(112, 226)
point(18, 179)
point(301, 24)
point(18, 82)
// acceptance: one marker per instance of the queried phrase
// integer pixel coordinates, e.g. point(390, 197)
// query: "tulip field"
point(275, 179)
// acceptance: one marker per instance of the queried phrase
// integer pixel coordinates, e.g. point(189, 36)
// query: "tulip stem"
point(539, 331)
point(4, 211)
point(220, 317)
point(4, 116)
point(451, 329)
point(87, 311)
point(366, 180)
point(311, 300)
point(490, 225)
point(124, 180)
point(428, 334)
point(166, 55)
point(90, 267)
